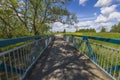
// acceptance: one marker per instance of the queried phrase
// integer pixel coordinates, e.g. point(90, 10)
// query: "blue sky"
point(92, 14)
point(84, 9)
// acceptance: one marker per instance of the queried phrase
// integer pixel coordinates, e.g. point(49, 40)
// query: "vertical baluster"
point(45, 42)
point(119, 74)
point(18, 60)
point(119, 65)
point(26, 52)
point(102, 61)
point(95, 53)
point(32, 46)
point(29, 54)
point(108, 65)
point(15, 62)
point(48, 40)
point(112, 62)
point(116, 64)
point(87, 51)
point(22, 64)
point(102, 58)
point(94, 50)
point(74, 43)
point(11, 66)
point(5, 66)
point(24, 58)
point(83, 48)
point(105, 58)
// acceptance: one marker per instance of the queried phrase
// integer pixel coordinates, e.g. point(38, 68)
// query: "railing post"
point(90, 49)
point(74, 42)
point(36, 45)
point(67, 38)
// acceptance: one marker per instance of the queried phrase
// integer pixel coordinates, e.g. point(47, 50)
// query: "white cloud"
point(58, 26)
point(108, 10)
point(114, 15)
point(82, 2)
point(84, 23)
point(107, 14)
point(101, 18)
point(101, 3)
point(107, 25)
point(95, 25)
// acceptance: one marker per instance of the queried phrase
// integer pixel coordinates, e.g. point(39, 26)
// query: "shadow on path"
point(61, 61)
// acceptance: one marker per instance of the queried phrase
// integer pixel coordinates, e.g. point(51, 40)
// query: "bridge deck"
point(62, 62)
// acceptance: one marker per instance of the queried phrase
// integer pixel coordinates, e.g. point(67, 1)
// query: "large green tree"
point(26, 17)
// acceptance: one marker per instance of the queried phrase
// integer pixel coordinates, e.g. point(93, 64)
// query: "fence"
point(16, 62)
point(105, 57)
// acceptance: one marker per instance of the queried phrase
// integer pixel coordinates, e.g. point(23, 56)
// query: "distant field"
point(105, 35)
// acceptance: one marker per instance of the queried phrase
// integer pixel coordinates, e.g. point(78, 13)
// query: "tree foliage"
point(116, 28)
point(103, 29)
point(28, 17)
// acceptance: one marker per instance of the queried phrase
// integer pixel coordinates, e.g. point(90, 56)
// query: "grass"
point(104, 35)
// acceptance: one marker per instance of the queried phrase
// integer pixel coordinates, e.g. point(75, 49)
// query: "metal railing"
point(16, 62)
point(106, 58)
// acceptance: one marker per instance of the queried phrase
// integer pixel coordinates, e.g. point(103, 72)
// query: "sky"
point(91, 14)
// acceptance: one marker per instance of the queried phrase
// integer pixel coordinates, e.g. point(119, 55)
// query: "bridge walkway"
point(61, 61)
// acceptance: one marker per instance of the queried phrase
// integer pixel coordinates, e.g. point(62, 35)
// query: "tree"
point(103, 29)
point(45, 11)
point(116, 28)
point(64, 31)
point(30, 16)
point(71, 19)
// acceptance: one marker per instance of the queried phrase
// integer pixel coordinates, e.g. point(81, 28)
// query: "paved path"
point(62, 62)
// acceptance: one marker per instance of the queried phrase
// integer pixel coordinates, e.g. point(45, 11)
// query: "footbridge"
point(60, 57)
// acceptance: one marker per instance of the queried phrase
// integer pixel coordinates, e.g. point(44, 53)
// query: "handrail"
point(110, 40)
point(7, 42)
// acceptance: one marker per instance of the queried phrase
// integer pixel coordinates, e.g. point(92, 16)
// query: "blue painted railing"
point(110, 40)
point(16, 62)
point(7, 42)
point(105, 57)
